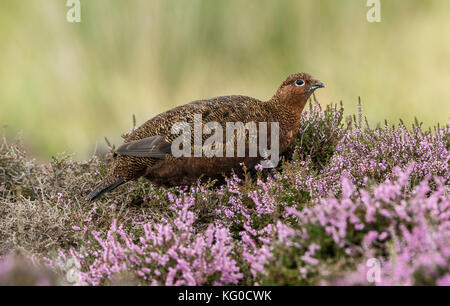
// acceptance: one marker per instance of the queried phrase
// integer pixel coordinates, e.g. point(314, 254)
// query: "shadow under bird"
point(147, 151)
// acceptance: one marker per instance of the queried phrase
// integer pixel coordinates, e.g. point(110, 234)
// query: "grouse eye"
point(299, 83)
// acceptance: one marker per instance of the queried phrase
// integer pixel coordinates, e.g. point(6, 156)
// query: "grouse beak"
point(317, 85)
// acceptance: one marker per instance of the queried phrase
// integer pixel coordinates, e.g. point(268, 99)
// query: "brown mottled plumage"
point(147, 150)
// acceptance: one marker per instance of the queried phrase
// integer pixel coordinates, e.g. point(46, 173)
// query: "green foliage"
point(319, 134)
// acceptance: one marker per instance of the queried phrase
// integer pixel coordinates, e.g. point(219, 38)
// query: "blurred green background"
point(68, 85)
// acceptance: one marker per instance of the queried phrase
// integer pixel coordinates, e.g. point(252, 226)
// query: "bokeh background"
point(66, 86)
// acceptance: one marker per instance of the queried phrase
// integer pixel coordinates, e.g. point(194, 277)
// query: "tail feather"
point(105, 186)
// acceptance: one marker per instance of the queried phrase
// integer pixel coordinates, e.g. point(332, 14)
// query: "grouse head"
point(296, 89)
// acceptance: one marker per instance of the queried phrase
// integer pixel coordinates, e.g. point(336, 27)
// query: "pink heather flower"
point(309, 260)
point(383, 236)
point(258, 167)
point(444, 281)
point(370, 237)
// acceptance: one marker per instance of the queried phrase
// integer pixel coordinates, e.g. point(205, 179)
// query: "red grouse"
point(148, 151)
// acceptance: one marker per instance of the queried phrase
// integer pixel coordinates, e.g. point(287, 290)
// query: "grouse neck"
point(293, 109)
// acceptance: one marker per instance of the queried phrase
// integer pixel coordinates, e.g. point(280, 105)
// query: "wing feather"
point(154, 146)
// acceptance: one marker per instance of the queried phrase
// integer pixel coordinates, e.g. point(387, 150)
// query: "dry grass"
point(40, 204)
